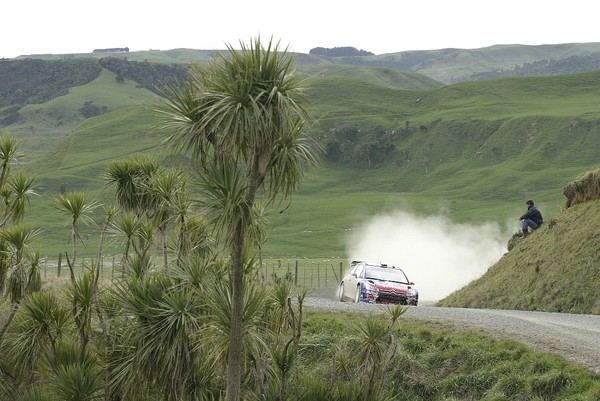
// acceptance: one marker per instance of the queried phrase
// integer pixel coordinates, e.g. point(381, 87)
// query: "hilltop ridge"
point(447, 65)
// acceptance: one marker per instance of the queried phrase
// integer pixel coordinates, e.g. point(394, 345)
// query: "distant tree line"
point(347, 51)
point(152, 76)
point(545, 67)
point(37, 81)
point(34, 81)
point(113, 50)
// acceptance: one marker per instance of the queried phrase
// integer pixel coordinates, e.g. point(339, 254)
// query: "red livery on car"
point(377, 283)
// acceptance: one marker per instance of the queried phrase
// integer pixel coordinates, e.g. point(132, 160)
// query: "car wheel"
point(357, 296)
point(341, 293)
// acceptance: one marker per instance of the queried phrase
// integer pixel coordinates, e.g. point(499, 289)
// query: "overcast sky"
point(378, 26)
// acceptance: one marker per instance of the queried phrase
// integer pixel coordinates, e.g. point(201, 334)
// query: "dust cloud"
point(437, 255)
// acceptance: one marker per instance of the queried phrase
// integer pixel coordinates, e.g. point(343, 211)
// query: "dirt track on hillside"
point(575, 337)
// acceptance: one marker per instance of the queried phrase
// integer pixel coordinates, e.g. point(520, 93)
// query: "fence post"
point(319, 275)
point(296, 273)
point(59, 264)
point(340, 271)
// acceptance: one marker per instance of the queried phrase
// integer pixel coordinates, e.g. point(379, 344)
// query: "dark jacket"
point(533, 214)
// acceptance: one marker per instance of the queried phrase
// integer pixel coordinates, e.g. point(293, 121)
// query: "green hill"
point(457, 65)
point(379, 76)
point(555, 269)
point(41, 101)
point(472, 149)
point(41, 126)
point(454, 65)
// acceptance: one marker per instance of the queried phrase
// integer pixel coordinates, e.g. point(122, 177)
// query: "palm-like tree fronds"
point(135, 233)
point(182, 119)
point(78, 383)
point(219, 299)
point(40, 325)
point(18, 191)
point(195, 237)
point(224, 198)
point(35, 393)
point(129, 177)
point(76, 206)
point(83, 292)
point(8, 153)
point(292, 153)
point(20, 281)
point(19, 238)
point(167, 185)
point(163, 329)
point(4, 264)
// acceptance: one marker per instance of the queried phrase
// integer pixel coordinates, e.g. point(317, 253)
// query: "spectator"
point(532, 218)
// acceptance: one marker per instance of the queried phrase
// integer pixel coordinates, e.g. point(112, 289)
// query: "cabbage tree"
point(243, 122)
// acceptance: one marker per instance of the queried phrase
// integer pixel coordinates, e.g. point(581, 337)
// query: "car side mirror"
point(353, 275)
point(411, 283)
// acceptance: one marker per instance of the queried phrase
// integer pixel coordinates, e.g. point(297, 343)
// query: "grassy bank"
point(438, 362)
point(555, 269)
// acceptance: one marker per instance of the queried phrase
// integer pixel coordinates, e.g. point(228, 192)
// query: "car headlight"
point(370, 288)
point(411, 292)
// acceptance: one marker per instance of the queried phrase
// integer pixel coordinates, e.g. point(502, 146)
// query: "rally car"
point(377, 283)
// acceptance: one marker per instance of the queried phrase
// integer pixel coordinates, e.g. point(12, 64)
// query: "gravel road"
point(575, 337)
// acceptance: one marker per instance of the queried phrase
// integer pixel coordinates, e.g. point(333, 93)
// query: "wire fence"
point(305, 273)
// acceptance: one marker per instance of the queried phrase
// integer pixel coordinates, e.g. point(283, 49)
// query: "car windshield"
point(386, 274)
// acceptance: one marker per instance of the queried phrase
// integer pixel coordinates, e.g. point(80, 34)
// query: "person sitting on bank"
point(532, 218)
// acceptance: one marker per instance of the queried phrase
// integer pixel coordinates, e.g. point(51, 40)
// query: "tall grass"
point(584, 189)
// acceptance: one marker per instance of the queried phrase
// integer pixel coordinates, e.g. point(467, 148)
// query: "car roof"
point(381, 265)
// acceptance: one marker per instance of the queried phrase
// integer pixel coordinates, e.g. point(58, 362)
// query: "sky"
point(379, 26)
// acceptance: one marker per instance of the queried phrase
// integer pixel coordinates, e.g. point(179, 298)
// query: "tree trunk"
point(165, 250)
point(181, 241)
point(234, 358)
point(99, 268)
point(9, 319)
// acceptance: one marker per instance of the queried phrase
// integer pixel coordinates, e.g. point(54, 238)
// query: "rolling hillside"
point(442, 65)
point(473, 149)
point(42, 126)
point(456, 65)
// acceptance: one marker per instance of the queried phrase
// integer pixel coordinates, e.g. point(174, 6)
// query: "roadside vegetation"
point(163, 339)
